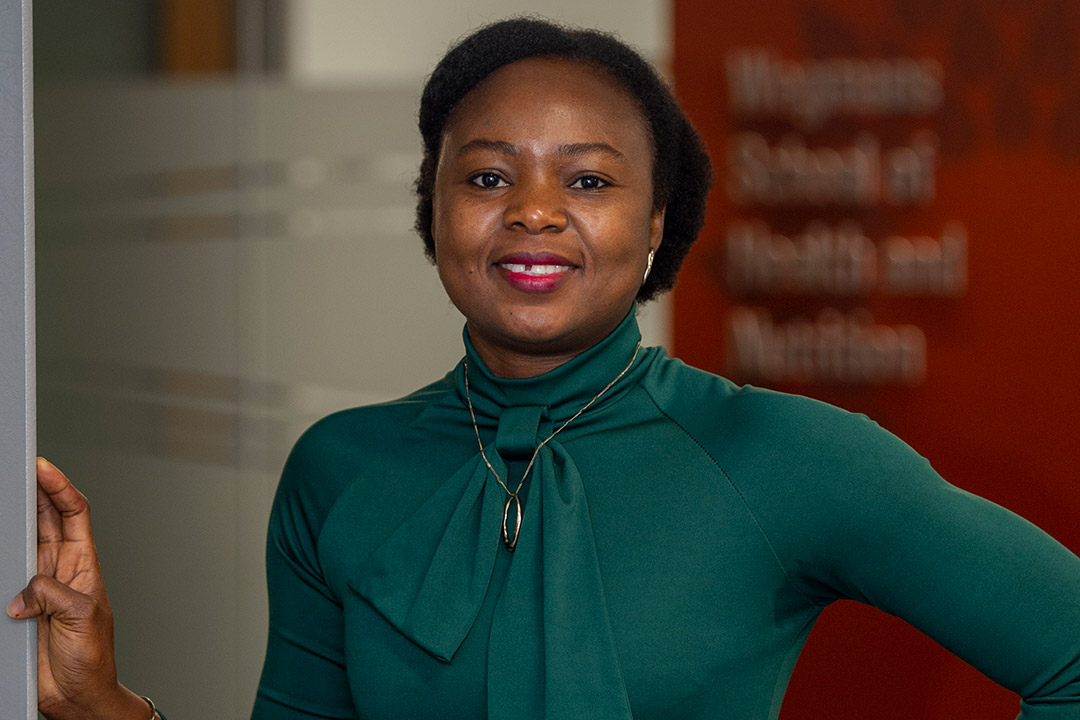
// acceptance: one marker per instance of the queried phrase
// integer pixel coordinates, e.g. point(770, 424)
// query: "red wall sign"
point(895, 229)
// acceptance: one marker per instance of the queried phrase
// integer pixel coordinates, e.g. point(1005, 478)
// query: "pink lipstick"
point(535, 272)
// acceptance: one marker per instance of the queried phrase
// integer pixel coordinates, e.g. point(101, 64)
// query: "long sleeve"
point(881, 527)
point(304, 674)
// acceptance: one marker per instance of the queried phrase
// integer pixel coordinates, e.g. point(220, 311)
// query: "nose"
point(536, 207)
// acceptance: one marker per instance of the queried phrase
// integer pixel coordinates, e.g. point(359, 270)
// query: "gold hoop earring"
point(648, 267)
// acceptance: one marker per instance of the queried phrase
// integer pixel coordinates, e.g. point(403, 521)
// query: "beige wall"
point(399, 43)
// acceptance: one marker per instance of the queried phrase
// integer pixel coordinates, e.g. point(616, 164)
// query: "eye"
point(588, 182)
point(488, 180)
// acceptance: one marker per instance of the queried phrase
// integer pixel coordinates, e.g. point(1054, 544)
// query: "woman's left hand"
point(76, 667)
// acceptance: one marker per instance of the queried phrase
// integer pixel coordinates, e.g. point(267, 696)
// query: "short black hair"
point(682, 173)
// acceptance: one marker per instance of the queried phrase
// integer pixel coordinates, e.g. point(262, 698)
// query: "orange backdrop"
point(999, 406)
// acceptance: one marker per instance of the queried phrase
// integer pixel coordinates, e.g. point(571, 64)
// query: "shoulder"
point(340, 435)
point(763, 436)
point(824, 485)
point(718, 411)
point(330, 453)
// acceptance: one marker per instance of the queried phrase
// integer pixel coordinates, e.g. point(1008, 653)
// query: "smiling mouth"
point(535, 270)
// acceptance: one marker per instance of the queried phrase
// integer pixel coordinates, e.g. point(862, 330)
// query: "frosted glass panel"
point(220, 265)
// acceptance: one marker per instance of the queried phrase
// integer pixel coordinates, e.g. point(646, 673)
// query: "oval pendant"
point(511, 543)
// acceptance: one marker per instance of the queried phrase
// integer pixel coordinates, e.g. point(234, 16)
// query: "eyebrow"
point(571, 150)
point(576, 149)
point(500, 146)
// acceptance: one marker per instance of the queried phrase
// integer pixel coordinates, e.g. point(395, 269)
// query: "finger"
point(64, 511)
point(48, 518)
point(46, 596)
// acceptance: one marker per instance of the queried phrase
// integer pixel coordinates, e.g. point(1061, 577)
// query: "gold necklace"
point(513, 497)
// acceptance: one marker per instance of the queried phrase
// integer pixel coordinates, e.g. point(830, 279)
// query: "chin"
point(537, 336)
point(532, 328)
point(555, 328)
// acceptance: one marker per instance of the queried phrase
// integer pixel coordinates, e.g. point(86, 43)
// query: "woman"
point(568, 524)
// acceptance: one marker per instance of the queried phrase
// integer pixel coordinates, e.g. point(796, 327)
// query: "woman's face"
point(543, 212)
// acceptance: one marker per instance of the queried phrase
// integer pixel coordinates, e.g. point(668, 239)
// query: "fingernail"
point(16, 607)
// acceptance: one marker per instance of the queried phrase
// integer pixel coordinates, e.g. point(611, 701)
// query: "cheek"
point(626, 234)
point(446, 207)
point(456, 278)
point(456, 254)
point(447, 242)
point(457, 226)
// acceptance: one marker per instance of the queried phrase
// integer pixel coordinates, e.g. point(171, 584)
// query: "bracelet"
point(153, 707)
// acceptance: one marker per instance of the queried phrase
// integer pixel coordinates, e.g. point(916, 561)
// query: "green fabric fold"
point(429, 579)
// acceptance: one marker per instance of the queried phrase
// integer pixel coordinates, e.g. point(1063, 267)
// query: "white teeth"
point(535, 270)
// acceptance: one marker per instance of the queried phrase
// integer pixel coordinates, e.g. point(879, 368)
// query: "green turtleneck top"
point(679, 540)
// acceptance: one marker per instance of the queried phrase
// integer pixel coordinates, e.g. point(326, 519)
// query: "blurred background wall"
point(894, 230)
point(225, 254)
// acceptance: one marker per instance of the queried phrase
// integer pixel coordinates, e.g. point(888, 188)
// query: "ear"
point(656, 228)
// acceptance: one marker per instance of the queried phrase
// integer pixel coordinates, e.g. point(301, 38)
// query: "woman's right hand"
point(76, 667)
